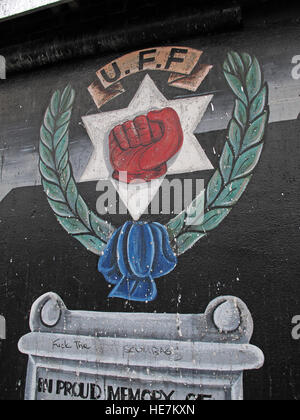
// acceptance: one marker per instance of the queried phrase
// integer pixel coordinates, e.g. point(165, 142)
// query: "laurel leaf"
point(60, 151)
point(63, 119)
point(64, 178)
point(235, 136)
point(255, 132)
point(213, 218)
point(237, 86)
point(226, 162)
point(187, 240)
point(55, 103)
point(247, 59)
point(72, 225)
point(61, 135)
point(254, 79)
point(102, 229)
point(47, 156)
point(240, 113)
point(195, 211)
point(238, 62)
point(72, 194)
point(67, 99)
point(175, 225)
point(214, 187)
point(83, 211)
point(48, 173)
point(259, 103)
point(247, 162)
point(226, 67)
point(64, 162)
point(232, 65)
point(49, 122)
point(46, 137)
point(231, 194)
point(53, 191)
point(60, 209)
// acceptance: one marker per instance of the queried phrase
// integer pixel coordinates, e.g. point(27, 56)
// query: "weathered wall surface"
point(12, 7)
point(252, 255)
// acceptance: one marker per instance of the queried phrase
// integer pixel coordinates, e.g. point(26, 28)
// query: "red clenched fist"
point(142, 147)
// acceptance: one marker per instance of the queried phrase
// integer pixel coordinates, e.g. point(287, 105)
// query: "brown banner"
point(183, 63)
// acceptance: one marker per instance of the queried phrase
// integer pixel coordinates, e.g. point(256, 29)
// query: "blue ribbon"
point(137, 254)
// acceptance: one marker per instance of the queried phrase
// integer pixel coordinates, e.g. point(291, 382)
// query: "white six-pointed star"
point(190, 158)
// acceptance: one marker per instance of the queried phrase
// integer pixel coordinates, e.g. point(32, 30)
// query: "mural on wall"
point(153, 137)
point(136, 148)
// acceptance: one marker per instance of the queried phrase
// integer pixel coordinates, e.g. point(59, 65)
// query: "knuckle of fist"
point(121, 137)
point(143, 130)
point(132, 134)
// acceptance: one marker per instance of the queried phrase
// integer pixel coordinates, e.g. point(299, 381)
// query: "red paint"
point(143, 147)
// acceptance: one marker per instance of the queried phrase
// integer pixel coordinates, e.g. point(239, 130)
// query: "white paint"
point(191, 157)
point(137, 198)
point(296, 329)
point(10, 8)
point(296, 69)
point(2, 328)
point(227, 317)
point(2, 67)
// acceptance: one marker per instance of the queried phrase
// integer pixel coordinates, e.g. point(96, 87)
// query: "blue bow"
point(137, 254)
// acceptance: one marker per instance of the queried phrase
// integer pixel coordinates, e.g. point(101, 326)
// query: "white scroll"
point(121, 356)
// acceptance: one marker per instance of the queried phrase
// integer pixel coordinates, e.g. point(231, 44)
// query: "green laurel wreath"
point(240, 156)
point(69, 207)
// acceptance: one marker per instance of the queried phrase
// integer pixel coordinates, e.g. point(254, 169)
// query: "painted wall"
point(252, 254)
point(12, 7)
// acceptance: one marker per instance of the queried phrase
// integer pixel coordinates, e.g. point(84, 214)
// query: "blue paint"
point(137, 254)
